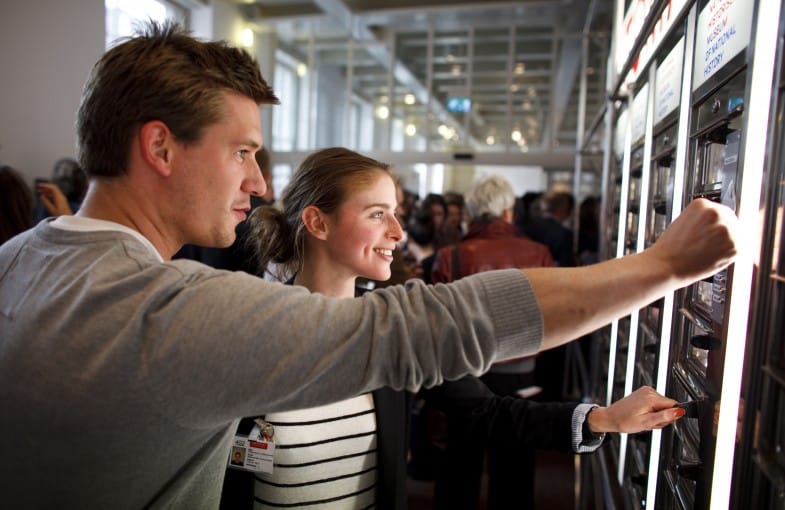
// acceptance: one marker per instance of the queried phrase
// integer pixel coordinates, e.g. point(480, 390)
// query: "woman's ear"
point(315, 222)
point(156, 144)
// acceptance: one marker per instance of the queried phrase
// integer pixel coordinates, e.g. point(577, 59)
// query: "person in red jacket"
point(492, 242)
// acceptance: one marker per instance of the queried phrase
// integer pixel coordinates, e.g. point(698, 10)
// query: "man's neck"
point(113, 200)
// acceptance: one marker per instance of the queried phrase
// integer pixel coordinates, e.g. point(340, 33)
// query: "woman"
point(338, 223)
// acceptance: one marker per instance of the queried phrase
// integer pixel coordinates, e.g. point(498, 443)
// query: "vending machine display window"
point(661, 187)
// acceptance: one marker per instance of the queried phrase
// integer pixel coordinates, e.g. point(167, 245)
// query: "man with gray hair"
point(492, 242)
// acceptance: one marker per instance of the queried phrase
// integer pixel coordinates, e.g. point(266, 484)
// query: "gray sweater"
point(122, 377)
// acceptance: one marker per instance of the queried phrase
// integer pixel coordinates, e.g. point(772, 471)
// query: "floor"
point(554, 485)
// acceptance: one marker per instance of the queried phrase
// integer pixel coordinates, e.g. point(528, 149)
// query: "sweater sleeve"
point(263, 347)
point(505, 421)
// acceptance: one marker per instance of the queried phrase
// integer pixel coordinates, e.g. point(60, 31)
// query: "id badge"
point(254, 452)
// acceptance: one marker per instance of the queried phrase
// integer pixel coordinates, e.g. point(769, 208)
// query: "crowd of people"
point(153, 360)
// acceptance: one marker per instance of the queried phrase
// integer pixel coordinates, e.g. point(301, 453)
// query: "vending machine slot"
point(713, 195)
point(682, 490)
point(690, 471)
point(691, 375)
point(720, 128)
point(665, 158)
point(706, 342)
point(696, 318)
point(694, 408)
point(687, 436)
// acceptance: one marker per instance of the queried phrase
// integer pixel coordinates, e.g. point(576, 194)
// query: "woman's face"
point(363, 231)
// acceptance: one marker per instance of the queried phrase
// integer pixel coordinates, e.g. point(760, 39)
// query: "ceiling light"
point(302, 69)
point(410, 129)
point(382, 112)
point(516, 135)
point(409, 99)
point(246, 37)
point(520, 67)
point(490, 140)
point(514, 87)
point(456, 70)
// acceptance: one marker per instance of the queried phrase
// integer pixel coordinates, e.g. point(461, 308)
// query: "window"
point(122, 16)
point(291, 119)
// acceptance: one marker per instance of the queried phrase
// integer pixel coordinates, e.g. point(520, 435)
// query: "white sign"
point(667, 83)
point(723, 31)
point(632, 26)
point(638, 114)
point(618, 139)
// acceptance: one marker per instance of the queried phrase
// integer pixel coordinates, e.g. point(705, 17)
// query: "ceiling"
point(518, 62)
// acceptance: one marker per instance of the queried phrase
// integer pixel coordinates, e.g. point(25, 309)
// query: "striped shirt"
point(325, 457)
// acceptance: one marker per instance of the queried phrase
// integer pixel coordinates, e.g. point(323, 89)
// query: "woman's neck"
point(321, 278)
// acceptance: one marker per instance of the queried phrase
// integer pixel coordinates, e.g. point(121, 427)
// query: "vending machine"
point(698, 340)
point(759, 472)
point(657, 208)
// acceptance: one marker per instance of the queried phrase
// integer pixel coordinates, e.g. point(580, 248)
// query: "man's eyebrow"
point(251, 143)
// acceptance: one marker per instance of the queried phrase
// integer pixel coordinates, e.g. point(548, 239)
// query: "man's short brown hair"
point(163, 74)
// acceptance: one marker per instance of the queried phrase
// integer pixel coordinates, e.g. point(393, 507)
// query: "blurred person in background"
point(16, 203)
point(63, 193)
point(492, 242)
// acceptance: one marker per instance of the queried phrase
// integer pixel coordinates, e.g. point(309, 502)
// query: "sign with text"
point(631, 27)
point(667, 84)
point(723, 31)
point(638, 114)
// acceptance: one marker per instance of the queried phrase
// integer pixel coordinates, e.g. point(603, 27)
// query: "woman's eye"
point(377, 215)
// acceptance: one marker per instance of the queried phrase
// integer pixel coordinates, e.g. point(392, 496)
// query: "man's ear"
point(157, 143)
point(315, 222)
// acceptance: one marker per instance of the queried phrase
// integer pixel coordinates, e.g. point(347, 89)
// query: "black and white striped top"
point(325, 457)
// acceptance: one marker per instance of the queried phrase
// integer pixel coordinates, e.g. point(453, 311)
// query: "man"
point(124, 372)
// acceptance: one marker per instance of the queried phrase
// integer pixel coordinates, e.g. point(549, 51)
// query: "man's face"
point(216, 175)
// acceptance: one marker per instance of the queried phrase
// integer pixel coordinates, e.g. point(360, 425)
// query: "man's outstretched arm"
point(576, 301)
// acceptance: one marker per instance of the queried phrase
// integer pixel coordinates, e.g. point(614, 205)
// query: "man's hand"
point(643, 409)
point(700, 242)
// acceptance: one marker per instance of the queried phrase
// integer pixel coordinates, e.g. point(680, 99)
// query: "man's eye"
point(243, 153)
point(377, 215)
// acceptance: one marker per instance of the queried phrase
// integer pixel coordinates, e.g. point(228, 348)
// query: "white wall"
point(522, 178)
point(222, 21)
point(47, 48)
